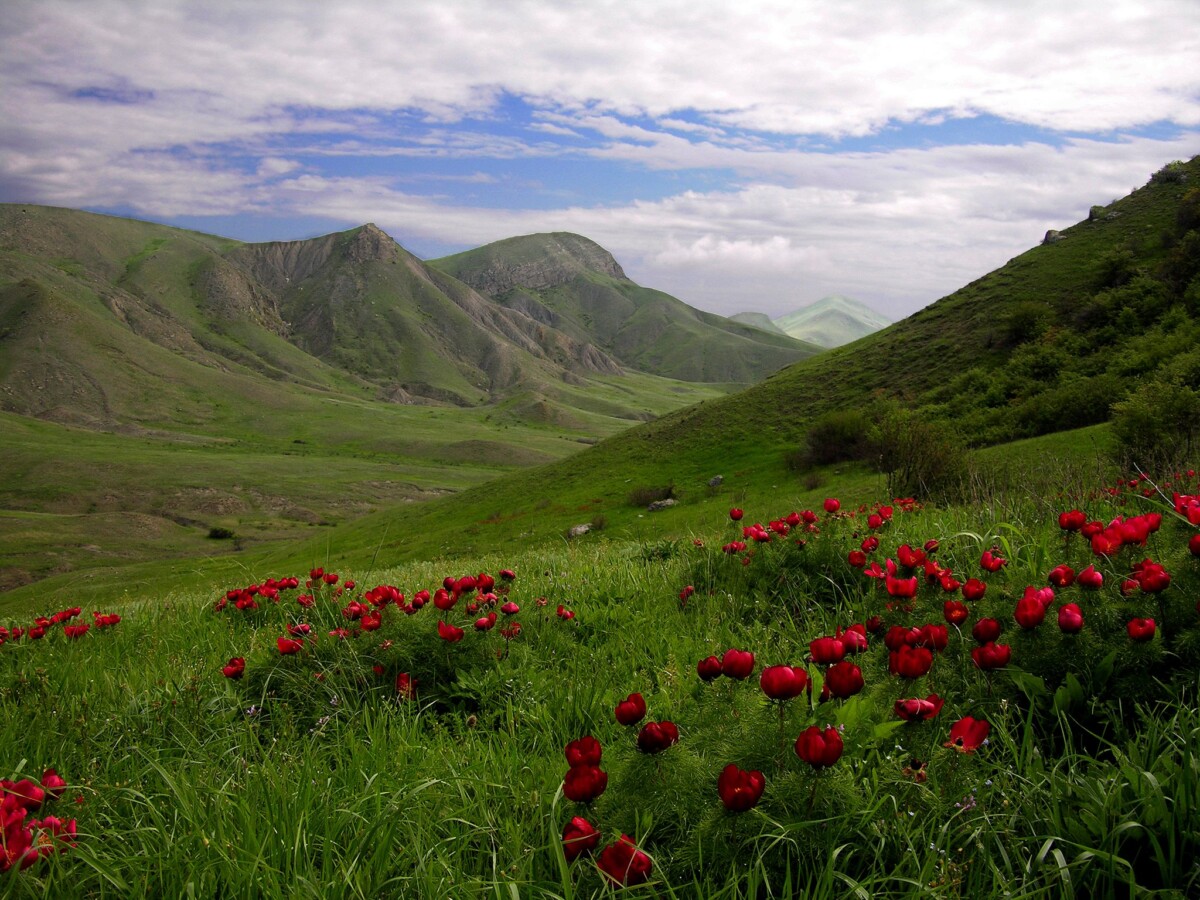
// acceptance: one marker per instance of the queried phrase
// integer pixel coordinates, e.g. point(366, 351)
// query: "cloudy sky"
point(741, 156)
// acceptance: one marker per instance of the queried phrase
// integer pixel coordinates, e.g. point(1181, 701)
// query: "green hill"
point(832, 321)
point(574, 285)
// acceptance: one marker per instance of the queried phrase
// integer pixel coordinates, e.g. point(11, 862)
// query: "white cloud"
point(224, 107)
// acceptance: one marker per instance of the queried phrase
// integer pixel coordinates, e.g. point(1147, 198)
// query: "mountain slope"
point(574, 285)
point(758, 320)
point(832, 321)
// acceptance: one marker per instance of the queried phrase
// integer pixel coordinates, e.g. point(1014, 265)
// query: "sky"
point(742, 156)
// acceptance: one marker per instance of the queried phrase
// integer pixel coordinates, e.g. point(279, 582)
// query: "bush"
point(920, 456)
point(647, 494)
point(842, 435)
point(1156, 427)
point(220, 534)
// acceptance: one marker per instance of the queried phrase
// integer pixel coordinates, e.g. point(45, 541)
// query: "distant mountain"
point(109, 322)
point(758, 320)
point(574, 285)
point(832, 321)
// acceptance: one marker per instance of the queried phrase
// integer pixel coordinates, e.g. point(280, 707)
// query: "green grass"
point(285, 784)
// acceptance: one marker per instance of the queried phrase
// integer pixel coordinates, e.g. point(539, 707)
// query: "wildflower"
point(623, 863)
point(631, 710)
point(656, 737)
point(579, 836)
point(235, 668)
point(739, 789)
point(783, 682)
point(968, 734)
point(819, 748)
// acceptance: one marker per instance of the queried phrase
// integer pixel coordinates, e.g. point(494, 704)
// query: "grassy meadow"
point(380, 756)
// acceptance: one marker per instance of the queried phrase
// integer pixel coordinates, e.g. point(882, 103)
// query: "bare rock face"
point(1052, 237)
point(230, 295)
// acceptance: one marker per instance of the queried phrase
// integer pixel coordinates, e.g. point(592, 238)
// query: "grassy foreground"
point(378, 757)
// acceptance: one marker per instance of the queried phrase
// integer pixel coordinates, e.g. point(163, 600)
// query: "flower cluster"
point(23, 840)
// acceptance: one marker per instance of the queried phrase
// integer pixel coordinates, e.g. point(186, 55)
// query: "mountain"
point(832, 321)
point(1046, 343)
point(757, 320)
point(572, 284)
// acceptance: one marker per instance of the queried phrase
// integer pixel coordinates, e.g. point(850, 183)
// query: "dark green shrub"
point(217, 533)
point(647, 494)
point(919, 455)
point(841, 435)
point(1157, 426)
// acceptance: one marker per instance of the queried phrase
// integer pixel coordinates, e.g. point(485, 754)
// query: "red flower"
point(968, 734)
point(935, 637)
point(510, 608)
point(740, 790)
point(655, 737)
point(288, 646)
point(832, 504)
point(844, 679)
point(991, 562)
point(991, 656)
point(736, 514)
point(1062, 576)
point(986, 630)
point(973, 590)
point(858, 559)
point(915, 709)
point(623, 863)
point(449, 633)
point(783, 682)
point(1150, 576)
point(1089, 578)
point(584, 751)
point(819, 748)
point(406, 686)
point(1072, 520)
point(579, 836)
point(1029, 612)
point(1070, 618)
point(485, 623)
point(910, 662)
point(709, 668)
point(631, 710)
point(1141, 630)
point(955, 612)
point(737, 664)
point(908, 557)
point(507, 575)
point(826, 650)
point(53, 783)
point(904, 588)
point(235, 668)
point(854, 638)
point(583, 784)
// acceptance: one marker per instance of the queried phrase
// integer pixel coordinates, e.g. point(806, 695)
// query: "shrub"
point(1156, 426)
point(920, 456)
point(841, 435)
point(647, 494)
point(220, 534)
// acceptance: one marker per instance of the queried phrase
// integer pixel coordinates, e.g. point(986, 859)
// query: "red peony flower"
point(968, 734)
point(631, 710)
point(986, 630)
point(1141, 630)
point(288, 646)
point(1089, 578)
point(832, 504)
point(844, 679)
point(910, 662)
point(826, 651)
point(235, 668)
point(1062, 576)
point(623, 863)
point(406, 686)
point(737, 664)
point(709, 668)
point(783, 682)
point(819, 748)
point(655, 737)
point(991, 562)
point(1072, 520)
point(53, 783)
point(854, 638)
point(579, 836)
point(1029, 612)
point(1070, 618)
point(955, 612)
point(973, 590)
point(584, 751)
point(583, 784)
point(858, 559)
point(450, 633)
point(991, 656)
point(738, 789)
point(915, 709)
point(736, 514)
